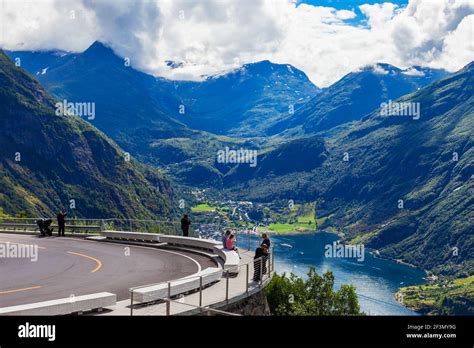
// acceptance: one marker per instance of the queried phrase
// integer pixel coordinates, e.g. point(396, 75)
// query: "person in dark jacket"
point(185, 222)
point(266, 240)
point(61, 223)
point(258, 263)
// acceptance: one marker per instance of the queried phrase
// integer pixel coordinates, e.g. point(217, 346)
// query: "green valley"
point(447, 297)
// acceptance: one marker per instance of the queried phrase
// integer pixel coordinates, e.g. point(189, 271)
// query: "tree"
point(314, 296)
point(256, 215)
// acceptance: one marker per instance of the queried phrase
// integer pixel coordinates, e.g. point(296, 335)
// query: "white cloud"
point(345, 14)
point(413, 72)
point(458, 46)
point(216, 35)
point(427, 33)
point(45, 24)
point(378, 14)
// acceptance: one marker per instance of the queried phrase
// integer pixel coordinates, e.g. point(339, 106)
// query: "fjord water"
point(376, 280)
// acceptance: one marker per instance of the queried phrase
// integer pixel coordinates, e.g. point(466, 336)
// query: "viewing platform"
point(162, 274)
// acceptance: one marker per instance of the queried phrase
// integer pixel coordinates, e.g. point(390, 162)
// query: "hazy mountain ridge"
point(357, 94)
point(247, 101)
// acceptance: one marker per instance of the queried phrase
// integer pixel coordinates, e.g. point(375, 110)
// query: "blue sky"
point(348, 4)
point(360, 19)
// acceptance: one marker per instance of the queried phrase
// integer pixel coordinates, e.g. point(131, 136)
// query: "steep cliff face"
point(47, 160)
point(256, 304)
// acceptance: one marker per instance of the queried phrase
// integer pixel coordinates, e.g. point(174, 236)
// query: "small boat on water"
point(301, 253)
point(286, 245)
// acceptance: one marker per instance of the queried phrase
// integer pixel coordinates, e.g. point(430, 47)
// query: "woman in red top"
point(230, 244)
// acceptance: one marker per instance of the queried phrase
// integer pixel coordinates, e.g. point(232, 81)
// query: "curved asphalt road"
point(70, 266)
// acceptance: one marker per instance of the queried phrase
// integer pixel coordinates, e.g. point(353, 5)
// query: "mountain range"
point(239, 108)
point(401, 185)
point(247, 101)
point(244, 101)
point(357, 94)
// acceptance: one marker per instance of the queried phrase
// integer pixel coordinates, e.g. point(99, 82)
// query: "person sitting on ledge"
point(225, 237)
point(230, 244)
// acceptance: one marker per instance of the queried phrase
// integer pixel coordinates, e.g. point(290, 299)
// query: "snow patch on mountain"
point(412, 71)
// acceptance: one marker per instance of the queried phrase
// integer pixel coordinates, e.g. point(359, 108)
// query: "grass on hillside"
point(288, 228)
point(303, 217)
point(444, 298)
point(203, 208)
point(2, 214)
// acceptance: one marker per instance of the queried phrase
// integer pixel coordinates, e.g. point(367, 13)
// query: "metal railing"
point(201, 230)
point(253, 276)
point(128, 225)
point(244, 235)
point(32, 221)
point(198, 310)
point(149, 226)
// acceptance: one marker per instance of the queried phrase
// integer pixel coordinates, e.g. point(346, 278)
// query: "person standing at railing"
point(260, 253)
point(61, 223)
point(185, 222)
point(266, 240)
point(265, 257)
